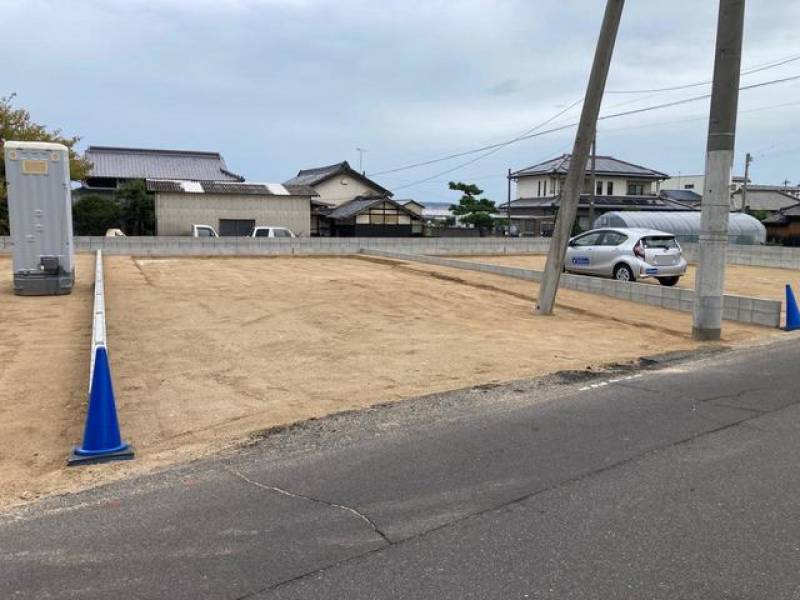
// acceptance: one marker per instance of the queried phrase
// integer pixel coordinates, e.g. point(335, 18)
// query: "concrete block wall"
point(763, 256)
point(756, 256)
point(735, 308)
point(188, 246)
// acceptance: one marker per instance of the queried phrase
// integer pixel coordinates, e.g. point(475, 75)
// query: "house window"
point(689, 186)
point(545, 187)
point(539, 188)
point(635, 189)
point(598, 188)
point(610, 188)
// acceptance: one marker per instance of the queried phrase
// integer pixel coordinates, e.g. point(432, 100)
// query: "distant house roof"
point(604, 165)
point(784, 216)
point(141, 163)
point(602, 202)
point(769, 198)
point(358, 205)
point(792, 190)
point(176, 186)
point(687, 197)
point(407, 201)
point(319, 174)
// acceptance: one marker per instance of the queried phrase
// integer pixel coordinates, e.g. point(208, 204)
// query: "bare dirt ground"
point(740, 280)
point(206, 351)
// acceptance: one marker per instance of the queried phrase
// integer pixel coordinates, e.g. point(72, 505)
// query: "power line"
point(501, 144)
point(524, 135)
point(756, 69)
point(494, 147)
point(699, 118)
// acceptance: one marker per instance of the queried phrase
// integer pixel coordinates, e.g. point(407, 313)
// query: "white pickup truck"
point(259, 231)
point(271, 232)
point(204, 231)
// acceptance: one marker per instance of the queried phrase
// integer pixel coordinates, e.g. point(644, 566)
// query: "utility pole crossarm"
point(573, 184)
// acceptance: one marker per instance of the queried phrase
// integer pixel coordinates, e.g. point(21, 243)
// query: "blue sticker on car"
point(581, 260)
point(651, 271)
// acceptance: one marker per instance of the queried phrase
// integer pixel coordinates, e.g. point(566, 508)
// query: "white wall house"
point(613, 177)
point(339, 183)
point(618, 185)
point(696, 183)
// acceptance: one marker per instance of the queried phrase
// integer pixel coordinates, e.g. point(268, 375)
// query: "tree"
point(93, 215)
point(16, 124)
point(138, 208)
point(471, 209)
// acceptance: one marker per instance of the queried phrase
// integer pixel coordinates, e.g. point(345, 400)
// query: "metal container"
point(40, 215)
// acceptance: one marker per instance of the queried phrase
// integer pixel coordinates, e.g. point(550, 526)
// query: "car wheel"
point(668, 281)
point(623, 273)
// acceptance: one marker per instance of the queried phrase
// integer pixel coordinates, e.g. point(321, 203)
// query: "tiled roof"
point(763, 199)
point(319, 174)
point(784, 216)
point(604, 202)
point(604, 165)
point(360, 204)
point(140, 163)
point(228, 187)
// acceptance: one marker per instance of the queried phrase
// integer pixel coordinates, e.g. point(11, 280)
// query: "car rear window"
point(660, 241)
point(613, 238)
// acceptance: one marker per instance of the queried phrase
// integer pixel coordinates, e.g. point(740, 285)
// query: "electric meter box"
point(40, 216)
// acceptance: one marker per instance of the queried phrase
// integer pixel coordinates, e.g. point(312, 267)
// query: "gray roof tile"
point(360, 204)
point(319, 174)
point(226, 187)
point(604, 165)
point(140, 163)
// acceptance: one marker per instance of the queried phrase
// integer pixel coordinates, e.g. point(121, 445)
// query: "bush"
point(138, 208)
point(93, 215)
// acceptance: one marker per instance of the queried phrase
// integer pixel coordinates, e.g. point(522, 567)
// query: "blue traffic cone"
point(792, 313)
point(101, 438)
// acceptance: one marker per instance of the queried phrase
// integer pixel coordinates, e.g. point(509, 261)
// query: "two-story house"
point(352, 204)
point(618, 185)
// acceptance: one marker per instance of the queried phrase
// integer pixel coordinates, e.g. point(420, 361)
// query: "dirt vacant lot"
point(740, 280)
point(206, 351)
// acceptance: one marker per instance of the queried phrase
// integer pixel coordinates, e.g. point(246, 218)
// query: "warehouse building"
point(232, 208)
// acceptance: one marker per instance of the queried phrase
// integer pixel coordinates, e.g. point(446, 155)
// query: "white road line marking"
point(594, 386)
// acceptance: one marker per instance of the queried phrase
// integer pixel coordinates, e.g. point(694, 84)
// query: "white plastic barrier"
point(99, 313)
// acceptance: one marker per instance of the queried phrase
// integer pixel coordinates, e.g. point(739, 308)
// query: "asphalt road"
point(677, 482)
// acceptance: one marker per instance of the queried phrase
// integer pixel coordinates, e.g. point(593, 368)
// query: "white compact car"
point(271, 232)
point(626, 255)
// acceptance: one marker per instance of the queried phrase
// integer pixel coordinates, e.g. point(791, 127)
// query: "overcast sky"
point(280, 85)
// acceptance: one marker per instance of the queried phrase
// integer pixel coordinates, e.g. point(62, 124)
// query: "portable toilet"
point(40, 216)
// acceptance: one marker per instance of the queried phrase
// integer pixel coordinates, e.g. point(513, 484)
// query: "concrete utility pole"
point(593, 181)
point(707, 324)
point(508, 204)
point(747, 160)
point(573, 184)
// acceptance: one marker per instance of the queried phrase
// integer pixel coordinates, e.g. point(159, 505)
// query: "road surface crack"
point(350, 509)
point(734, 396)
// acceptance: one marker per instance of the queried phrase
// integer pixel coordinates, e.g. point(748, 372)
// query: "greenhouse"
point(685, 225)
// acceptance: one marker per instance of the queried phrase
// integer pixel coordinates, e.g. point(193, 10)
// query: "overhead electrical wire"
point(525, 134)
point(519, 138)
point(757, 68)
